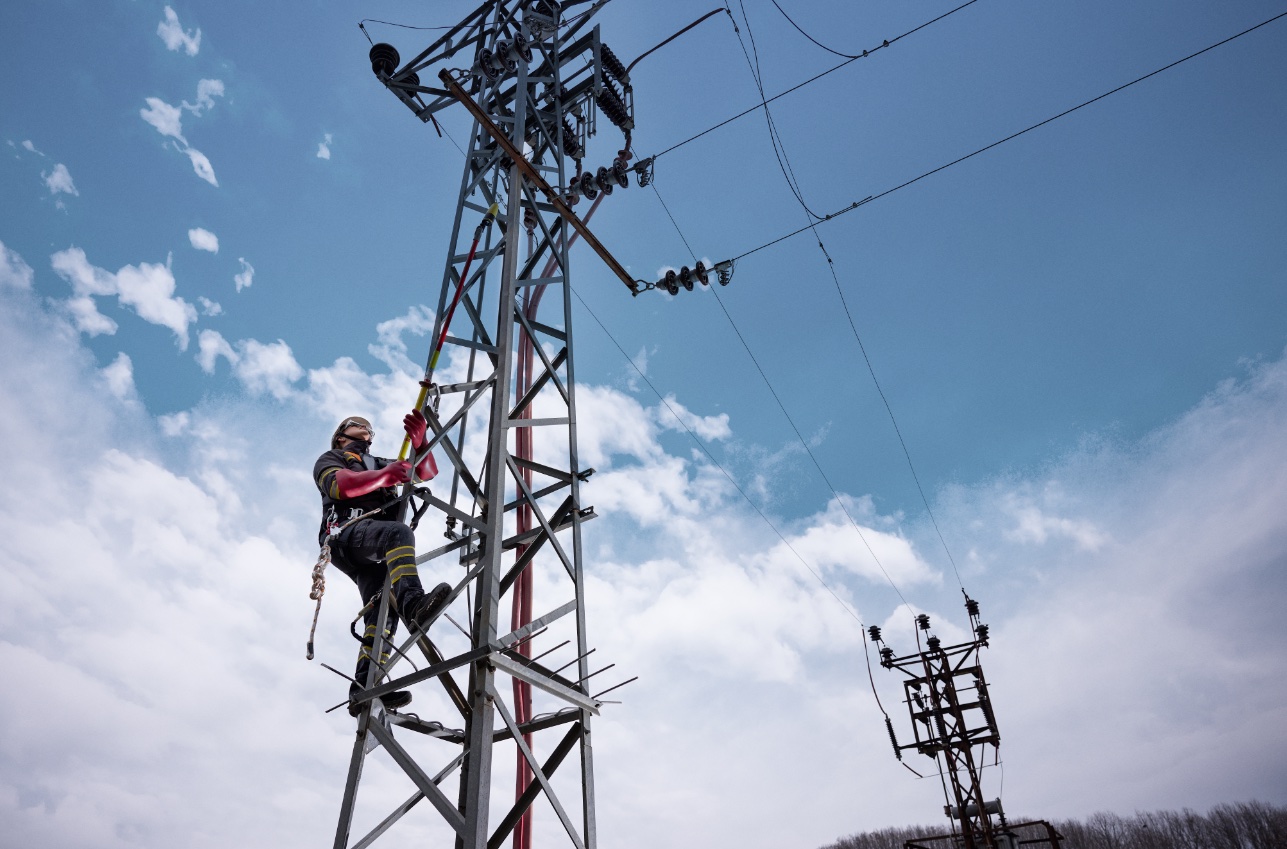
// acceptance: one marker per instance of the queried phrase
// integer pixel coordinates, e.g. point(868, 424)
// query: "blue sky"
point(220, 233)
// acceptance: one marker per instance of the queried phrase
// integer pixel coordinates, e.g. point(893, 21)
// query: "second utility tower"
point(952, 717)
point(502, 412)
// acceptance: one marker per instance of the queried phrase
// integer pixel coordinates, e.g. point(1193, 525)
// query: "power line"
point(784, 163)
point(790, 421)
point(862, 637)
point(779, 148)
point(764, 102)
point(800, 30)
point(851, 207)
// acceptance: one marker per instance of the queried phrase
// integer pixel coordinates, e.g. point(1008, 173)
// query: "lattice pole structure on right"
point(952, 717)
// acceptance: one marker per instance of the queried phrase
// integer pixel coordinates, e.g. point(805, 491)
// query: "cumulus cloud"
point(207, 91)
point(14, 271)
point(203, 240)
point(752, 683)
point(246, 276)
point(263, 368)
point(29, 146)
point(209, 307)
point(59, 181)
point(167, 119)
point(324, 147)
point(175, 37)
point(210, 347)
point(391, 349)
point(267, 368)
point(146, 288)
point(119, 377)
point(201, 166)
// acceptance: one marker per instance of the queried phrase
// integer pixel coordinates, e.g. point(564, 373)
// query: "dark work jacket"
point(336, 510)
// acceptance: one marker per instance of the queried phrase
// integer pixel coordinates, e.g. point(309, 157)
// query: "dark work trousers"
point(366, 552)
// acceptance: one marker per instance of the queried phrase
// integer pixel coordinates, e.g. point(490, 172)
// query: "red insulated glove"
point(351, 484)
point(414, 423)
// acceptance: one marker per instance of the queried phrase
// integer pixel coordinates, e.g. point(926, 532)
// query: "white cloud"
point(210, 347)
point(203, 240)
point(175, 37)
point(59, 181)
point(391, 349)
point(85, 316)
point(29, 146)
point(146, 288)
point(119, 377)
point(167, 119)
point(707, 428)
point(201, 165)
point(209, 307)
point(324, 147)
point(1155, 644)
point(246, 276)
point(207, 91)
point(263, 368)
point(174, 423)
point(1034, 526)
point(14, 272)
point(267, 368)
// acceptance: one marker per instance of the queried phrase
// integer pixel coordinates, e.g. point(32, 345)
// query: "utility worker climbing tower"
point(366, 539)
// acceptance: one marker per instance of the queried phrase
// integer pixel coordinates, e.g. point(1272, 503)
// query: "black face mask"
point(357, 446)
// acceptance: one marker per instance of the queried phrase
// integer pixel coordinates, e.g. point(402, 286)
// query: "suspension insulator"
point(886, 657)
point(612, 64)
point(611, 104)
point(982, 632)
point(971, 606)
point(701, 275)
point(670, 282)
point(603, 180)
point(620, 174)
point(686, 278)
point(985, 704)
point(933, 643)
point(874, 630)
point(411, 79)
point(504, 56)
point(384, 59)
point(942, 727)
point(549, 8)
point(571, 141)
point(488, 65)
point(588, 188)
point(522, 48)
point(922, 621)
point(889, 726)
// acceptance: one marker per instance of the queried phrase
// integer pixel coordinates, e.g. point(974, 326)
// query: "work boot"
point(419, 611)
point(392, 701)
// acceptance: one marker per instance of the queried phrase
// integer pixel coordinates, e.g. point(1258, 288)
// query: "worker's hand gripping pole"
point(446, 321)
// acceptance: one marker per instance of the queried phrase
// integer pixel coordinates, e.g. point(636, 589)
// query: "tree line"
point(1242, 825)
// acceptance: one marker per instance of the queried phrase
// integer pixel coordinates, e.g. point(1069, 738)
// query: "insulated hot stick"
point(446, 322)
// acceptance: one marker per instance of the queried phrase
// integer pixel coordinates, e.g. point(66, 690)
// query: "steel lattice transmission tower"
point(536, 80)
point(952, 717)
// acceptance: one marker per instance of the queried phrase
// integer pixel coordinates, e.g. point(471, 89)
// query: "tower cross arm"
point(530, 172)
